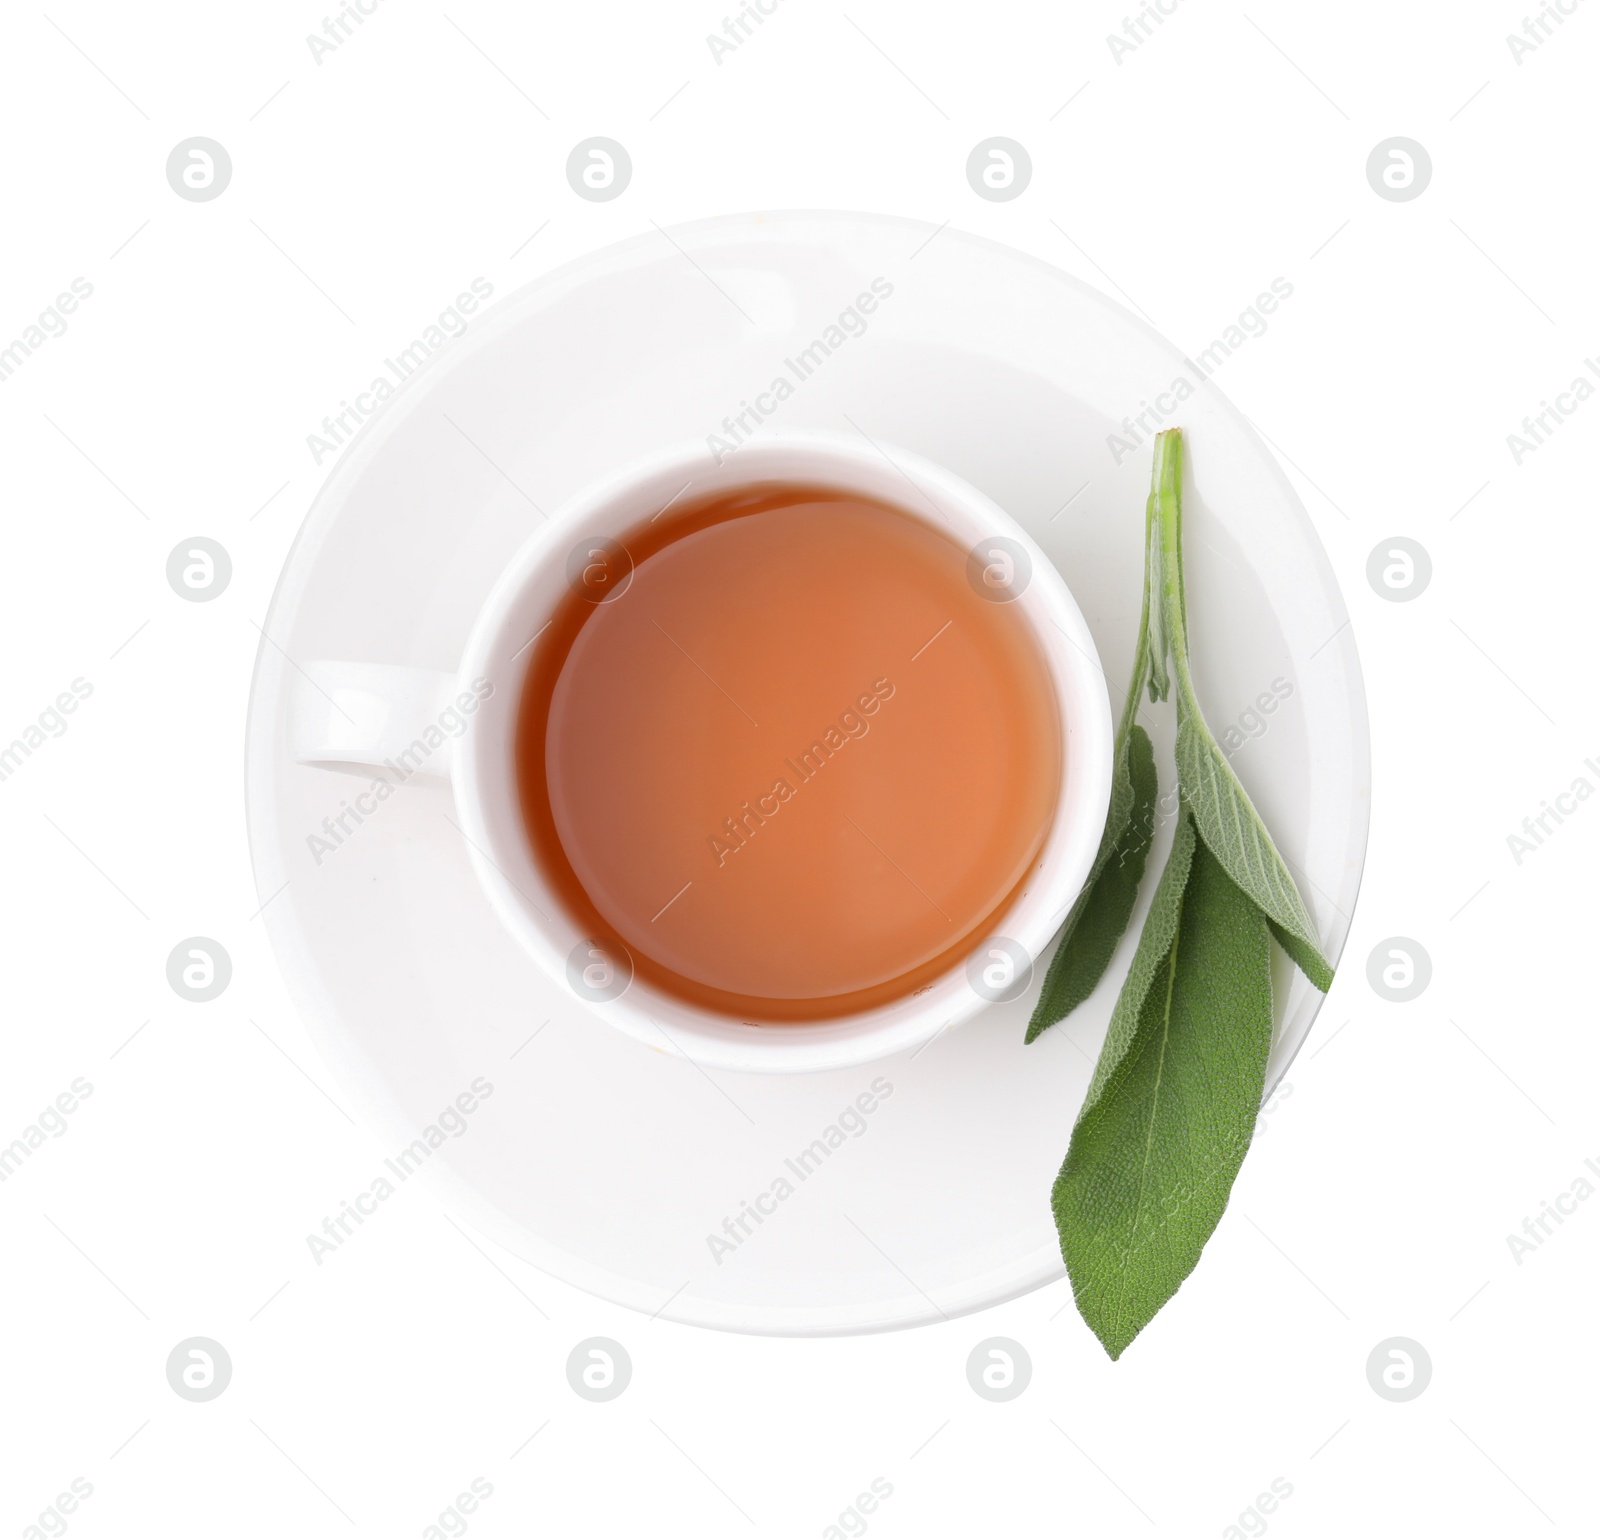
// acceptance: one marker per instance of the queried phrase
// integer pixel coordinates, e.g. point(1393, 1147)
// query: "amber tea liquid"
point(795, 762)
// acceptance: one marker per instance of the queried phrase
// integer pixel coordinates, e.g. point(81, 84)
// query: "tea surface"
point(796, 764)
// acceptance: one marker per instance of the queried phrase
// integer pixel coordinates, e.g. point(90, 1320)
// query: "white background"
point(367, 191)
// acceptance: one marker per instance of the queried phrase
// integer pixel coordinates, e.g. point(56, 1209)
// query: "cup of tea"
point(787, 760)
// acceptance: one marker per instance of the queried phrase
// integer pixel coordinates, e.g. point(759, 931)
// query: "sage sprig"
point(1173, 1103)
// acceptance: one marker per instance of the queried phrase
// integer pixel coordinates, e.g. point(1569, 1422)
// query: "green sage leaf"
point(1166, 1126)
point(1236, 836)
point(1226, 817)
point(1305, 956)
point(1101, 914)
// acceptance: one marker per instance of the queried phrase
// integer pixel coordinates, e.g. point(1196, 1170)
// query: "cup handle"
point(374, 717)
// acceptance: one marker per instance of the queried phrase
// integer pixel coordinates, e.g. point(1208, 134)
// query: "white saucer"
point(597, 1159)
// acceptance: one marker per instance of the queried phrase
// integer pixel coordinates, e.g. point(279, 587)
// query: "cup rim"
point(483, 781)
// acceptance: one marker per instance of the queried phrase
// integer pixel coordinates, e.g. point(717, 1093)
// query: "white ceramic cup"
point(409, 725)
